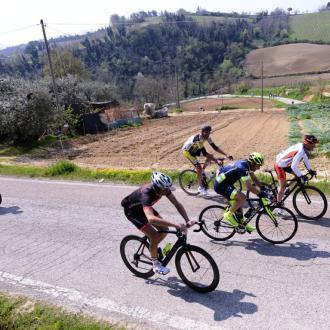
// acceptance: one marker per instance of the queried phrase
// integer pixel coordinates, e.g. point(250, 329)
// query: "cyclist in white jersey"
point(288, 161)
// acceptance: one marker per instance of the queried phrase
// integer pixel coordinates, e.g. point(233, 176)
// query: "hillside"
point(289, 59)
point(313, 27)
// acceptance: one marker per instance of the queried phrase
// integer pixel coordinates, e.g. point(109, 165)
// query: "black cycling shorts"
point(137, 216)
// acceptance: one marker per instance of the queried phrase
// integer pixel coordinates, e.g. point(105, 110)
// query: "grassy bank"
point(67, 170)
point(21, 313)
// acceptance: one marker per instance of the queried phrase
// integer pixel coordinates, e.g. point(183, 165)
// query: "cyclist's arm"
point(179, 207)
point(216, 148)
point(307, 162)
point(255, 179)
point(295, 162)
point(157, 220)
point(251, 187)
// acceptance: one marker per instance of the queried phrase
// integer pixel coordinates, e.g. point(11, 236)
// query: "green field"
point(311, 119)
point(313, 27)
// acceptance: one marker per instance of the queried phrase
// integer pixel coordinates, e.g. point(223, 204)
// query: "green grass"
point(19, 313)
point(67, 170)
point(313, 27)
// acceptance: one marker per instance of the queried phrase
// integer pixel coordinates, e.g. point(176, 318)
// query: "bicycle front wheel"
point(197, 269)
point(188, 182)
point(280, 229)
point(213, 225)
point(134, 251)
point(310, 202)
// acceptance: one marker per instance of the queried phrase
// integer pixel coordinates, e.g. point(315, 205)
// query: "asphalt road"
point(59, 242)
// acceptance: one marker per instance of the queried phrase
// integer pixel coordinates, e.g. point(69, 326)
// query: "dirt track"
point(158, 142)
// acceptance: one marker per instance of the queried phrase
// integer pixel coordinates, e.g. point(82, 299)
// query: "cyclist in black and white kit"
point(138, 208)
point(194, 147)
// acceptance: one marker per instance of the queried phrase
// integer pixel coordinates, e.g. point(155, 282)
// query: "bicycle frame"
point(181, 241)
point(289, 183)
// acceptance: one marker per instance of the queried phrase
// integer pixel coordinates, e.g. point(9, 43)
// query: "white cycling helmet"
point(161, 180)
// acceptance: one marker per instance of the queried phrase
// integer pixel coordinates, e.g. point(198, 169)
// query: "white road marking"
point(81, 298)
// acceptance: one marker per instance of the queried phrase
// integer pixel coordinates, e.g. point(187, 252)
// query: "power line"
point(19, 29)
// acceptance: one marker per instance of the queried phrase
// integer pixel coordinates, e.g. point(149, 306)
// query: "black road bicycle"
point(195, 266)
point(275, 224)
point(188, 178)
point(308, 201)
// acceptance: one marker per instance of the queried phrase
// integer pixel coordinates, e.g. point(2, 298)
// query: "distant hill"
point(312, 27)
point(289, 59)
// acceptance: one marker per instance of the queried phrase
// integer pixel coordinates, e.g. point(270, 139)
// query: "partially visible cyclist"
point(224, 185)
point(194, 147)
point(288, 162)
point(138, 208)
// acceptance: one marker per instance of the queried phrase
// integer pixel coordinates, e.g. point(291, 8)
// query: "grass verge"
point(21, 313)
point(67, 170)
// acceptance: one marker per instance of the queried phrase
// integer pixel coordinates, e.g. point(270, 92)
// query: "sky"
point(20, 19)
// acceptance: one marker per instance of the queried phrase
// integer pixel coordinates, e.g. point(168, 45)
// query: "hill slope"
point(313, 27)
point(289, 59)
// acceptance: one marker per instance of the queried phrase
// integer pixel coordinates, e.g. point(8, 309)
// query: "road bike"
point(274, 223)
point(308, 201)
point(195, 266)
point(188, 178)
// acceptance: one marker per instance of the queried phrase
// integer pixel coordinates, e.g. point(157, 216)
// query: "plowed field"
point(158, 142)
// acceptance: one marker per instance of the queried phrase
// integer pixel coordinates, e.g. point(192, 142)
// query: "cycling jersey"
point(231, 173)
point(195, 145)
point(133, 204)
point(145, 196)
point(227, 176)
point(291, 158)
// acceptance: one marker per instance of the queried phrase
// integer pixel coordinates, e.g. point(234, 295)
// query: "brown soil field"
point(211, 104)
point(289, 59)
point(158, 142)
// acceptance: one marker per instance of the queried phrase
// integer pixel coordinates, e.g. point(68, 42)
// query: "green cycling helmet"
point(256, 158)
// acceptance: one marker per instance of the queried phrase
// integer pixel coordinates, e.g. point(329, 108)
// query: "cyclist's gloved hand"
point(312, 172)
point(190, 223)
point(262, 194)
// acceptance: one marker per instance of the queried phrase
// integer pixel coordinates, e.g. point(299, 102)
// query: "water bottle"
point(167, 248)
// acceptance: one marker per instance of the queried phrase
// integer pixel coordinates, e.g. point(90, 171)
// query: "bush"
point(62, 167)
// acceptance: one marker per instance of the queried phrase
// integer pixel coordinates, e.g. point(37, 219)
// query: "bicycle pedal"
point(240, 230)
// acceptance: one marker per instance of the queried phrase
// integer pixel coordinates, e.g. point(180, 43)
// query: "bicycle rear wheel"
point(134, 251)
point(213, 224)
point(280, 230)
point(197, 268)
point(0, 199)
point(310, 202)
point(188, 182)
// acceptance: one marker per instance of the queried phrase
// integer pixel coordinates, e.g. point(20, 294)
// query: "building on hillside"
point(104, 116)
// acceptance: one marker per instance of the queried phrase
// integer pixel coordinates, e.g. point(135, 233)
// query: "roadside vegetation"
point(21, 313)
point(67, 170)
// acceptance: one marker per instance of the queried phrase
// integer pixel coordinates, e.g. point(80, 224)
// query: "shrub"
point(62, 167)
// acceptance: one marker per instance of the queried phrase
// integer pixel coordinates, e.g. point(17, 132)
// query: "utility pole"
point(51, 71)
point(262, 86)
point(177, 87)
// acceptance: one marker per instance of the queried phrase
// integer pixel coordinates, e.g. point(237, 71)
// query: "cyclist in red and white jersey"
point(288, 161)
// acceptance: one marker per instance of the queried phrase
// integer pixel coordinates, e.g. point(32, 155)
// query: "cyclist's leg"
point(193, 160)
point(155, 238)
point(281, 175)
point(230, 193)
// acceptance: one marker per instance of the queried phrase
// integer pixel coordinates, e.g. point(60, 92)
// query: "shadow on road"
point(323, 222)
point(224, 304)
point(11, 209)
point(298, 250)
